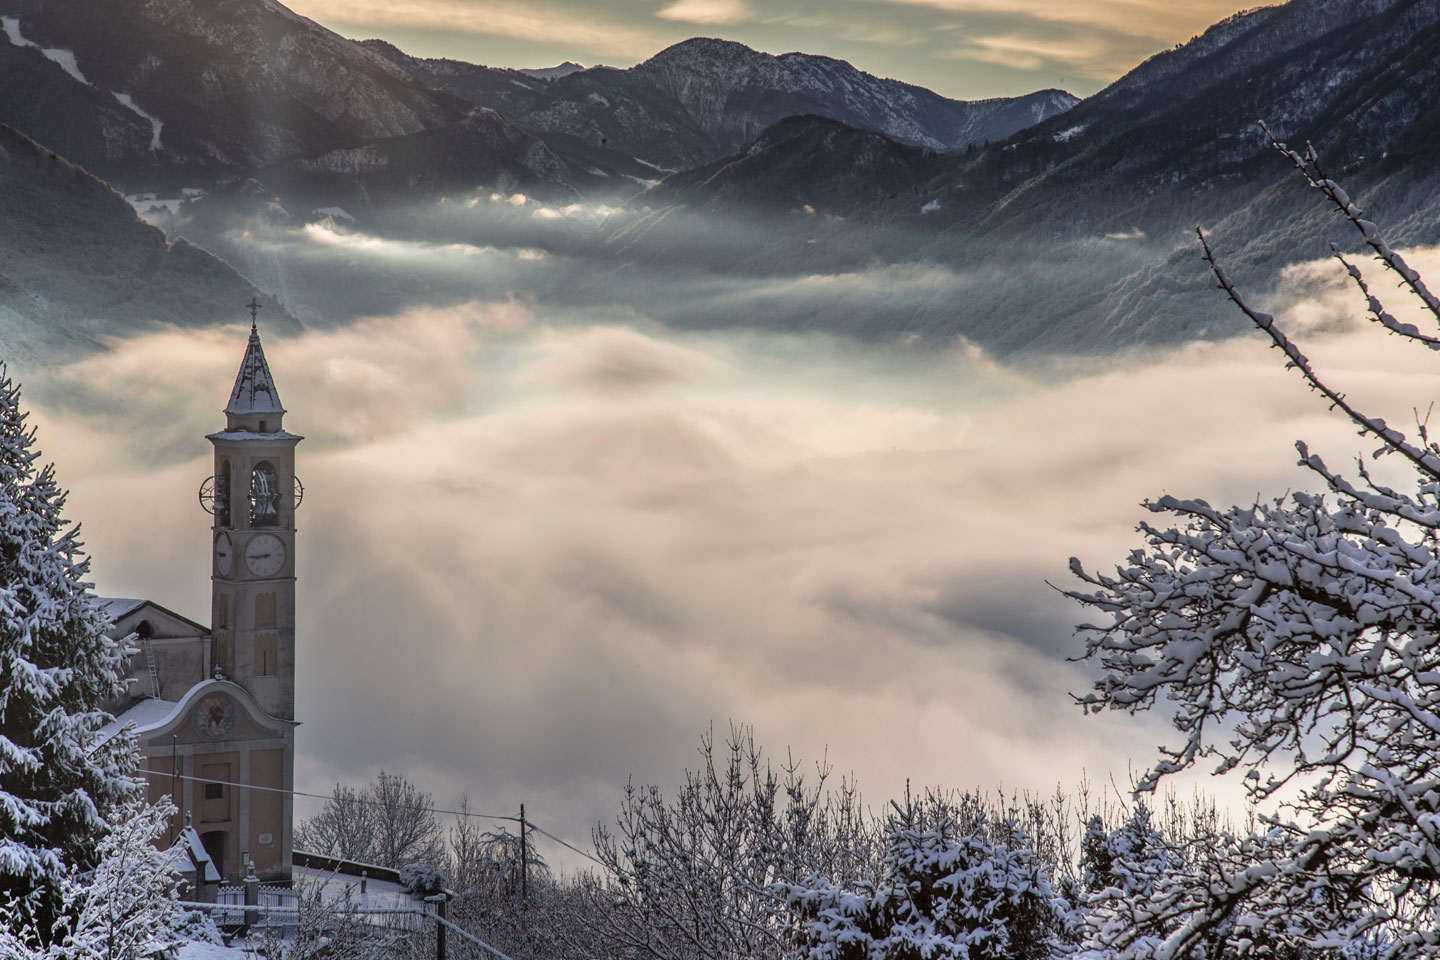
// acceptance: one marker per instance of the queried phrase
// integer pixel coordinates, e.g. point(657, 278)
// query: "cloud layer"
point(538, 557)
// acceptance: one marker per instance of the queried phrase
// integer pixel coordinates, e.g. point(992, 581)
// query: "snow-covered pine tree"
point(59, 781)
point(1129, 859)
point(952, 886)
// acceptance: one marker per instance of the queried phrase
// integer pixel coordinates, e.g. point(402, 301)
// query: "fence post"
point(439, 901)
point(252, 894)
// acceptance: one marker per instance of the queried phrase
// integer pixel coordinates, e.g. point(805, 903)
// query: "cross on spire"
point(254, 306)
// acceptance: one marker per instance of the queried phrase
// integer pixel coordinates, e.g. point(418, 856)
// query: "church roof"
point(254, 387)
point(117, 607)
point(153, 713)
point(146, 715)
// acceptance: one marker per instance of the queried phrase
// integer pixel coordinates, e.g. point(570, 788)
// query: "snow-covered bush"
point(197, 926)
point(691, 877)
point(1127, 861)
point(952, 884)
point(421, 879)
point(1298, 641)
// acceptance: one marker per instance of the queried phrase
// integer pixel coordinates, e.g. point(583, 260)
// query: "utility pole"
point(174, 783)
point(524, 859)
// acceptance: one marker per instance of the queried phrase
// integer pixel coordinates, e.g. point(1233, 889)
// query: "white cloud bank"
point(536, 560)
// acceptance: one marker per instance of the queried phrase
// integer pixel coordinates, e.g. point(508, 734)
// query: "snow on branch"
point(1424, 460)
point(1296, 642)
point(1309, 167)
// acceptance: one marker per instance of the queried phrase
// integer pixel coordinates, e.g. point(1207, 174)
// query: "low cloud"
point(706, 11)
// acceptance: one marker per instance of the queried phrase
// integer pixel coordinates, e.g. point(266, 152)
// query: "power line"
point(564, 843)
point(527, 822)
point(321, 796)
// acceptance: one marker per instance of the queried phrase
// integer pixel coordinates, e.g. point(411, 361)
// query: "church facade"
point(214, 707)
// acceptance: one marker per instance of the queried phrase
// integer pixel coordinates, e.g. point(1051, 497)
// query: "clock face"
point(224, 555)
point(265, 555)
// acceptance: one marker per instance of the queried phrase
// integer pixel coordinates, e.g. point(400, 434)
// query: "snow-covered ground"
point(145, 202)
point(195, 950)
point(64, 58)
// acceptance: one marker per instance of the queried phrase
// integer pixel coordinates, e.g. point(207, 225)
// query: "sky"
point(966, 49)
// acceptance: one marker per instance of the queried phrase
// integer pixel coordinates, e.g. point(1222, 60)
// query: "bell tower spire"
point(254, 402)
point(252, 497)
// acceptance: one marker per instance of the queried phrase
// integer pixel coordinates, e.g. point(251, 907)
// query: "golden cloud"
point(505, 18)
point(706, 11)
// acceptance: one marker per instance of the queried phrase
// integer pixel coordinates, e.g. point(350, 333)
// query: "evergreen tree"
point(952, 884)
point(1127, 861)
point(59, 778)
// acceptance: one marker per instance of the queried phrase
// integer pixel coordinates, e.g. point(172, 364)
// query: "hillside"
point(76, 263)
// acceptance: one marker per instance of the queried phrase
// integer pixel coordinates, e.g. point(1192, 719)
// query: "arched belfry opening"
point(264, 495)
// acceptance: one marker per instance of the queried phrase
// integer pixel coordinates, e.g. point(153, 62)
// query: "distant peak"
point(707, 47)
point(553, 73)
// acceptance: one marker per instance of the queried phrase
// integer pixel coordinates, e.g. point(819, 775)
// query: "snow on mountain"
point(237, 83)
point(238, 87)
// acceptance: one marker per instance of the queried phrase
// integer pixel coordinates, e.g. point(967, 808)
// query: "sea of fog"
point(541, 553)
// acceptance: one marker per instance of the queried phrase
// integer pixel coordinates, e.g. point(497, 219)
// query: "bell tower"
point(252, 497)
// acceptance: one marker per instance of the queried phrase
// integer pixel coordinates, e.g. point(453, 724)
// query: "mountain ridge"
point(701, 98)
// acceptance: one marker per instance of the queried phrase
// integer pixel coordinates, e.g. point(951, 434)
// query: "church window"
point(145, 631)
point(215, 806)
point(265, 610)
point(264, 495)
point(265, 655)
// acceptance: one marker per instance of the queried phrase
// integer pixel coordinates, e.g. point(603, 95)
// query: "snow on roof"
point(145, 714)
point(189, 844)
point(254, 387)
point(340, 888)
point(117, 607)
point(252, 435)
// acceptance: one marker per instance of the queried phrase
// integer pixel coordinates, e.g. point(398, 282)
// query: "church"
point(214, 707)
